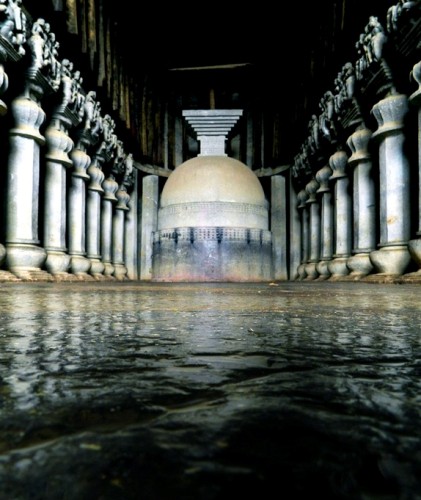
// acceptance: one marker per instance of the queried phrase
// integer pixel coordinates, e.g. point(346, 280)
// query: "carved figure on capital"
point(314, 138)
point(108, 129)
point(302, 165)
point(109, 143)
point(370, 45)
point(78, 96)
point(44, 72)
point(128, 179)
point(327, 107)
point(398, 11)
point(347, 107)
point(51, 56)
point(93, 119)
point(372, 66)
point(376, 38)
point(71, 103)
point(37, 43)
point(13, 24)
point(344, 87)
point(118, 166)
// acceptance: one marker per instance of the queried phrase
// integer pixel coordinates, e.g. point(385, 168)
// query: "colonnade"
point(69, 195)
point(73, 206)
point(357, 177)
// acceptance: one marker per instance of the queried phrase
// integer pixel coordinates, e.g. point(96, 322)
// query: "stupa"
point(213, 222)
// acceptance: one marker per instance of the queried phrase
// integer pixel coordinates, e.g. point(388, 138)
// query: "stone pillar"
point(393, 257)
point(150, 195)
point(326, 224)
point(80, 265)
point(130, 232)
point(314, 230)
point(107, 146)
point(414, 245)
point(57, 161)
point(12, 39)
point(278, 227)
point(304, 219)
point(364, 204)
point(342, 216)
point(66, 114)
point(93, 212)
point(4, 275)
point(120, 270)
point(294, 233)
point(110, 187)
point(25, 258)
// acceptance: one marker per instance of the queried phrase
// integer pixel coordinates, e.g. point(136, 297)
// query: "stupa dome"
point(213, 191)
point(212, 178)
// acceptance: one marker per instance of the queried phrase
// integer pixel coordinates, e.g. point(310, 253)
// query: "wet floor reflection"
point(196, 390)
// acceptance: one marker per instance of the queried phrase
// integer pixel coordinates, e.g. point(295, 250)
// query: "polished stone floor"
point(210, 391)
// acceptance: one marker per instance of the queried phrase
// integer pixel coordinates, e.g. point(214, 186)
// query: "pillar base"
point(360, 265)
point(301, 272)
point(382, 278)
point(80, 266)
point(120, 272)
point(414, 248)
point(97, 270)
point(411, 277)
point(323, 270)
point(311, 271)
point(109, 271)
point(7, 276)
point(65, 277)
point(25, 262)
point(84, 277)
point(32, 274)
point(57, 262)
point(390, 260)
point(338, 268)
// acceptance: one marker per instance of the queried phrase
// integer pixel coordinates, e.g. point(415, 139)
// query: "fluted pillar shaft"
point(79, 264)
point(414, 245)
point(93, 221)
point(314, 230)
point(119, 218)
point(3, 110)
point(110, 187)
point(55, 209)
point(305, 239)
point(131, 232)
point(342, 216)
point(393, 257)
point(364, 204)
point(11, 49)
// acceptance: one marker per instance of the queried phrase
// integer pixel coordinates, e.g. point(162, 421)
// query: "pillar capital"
point(322, 177)
point(358, 144)
point(415, 98)
point(338, 162)
point(311, 189)
point(390, 114)
point(302, 197)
